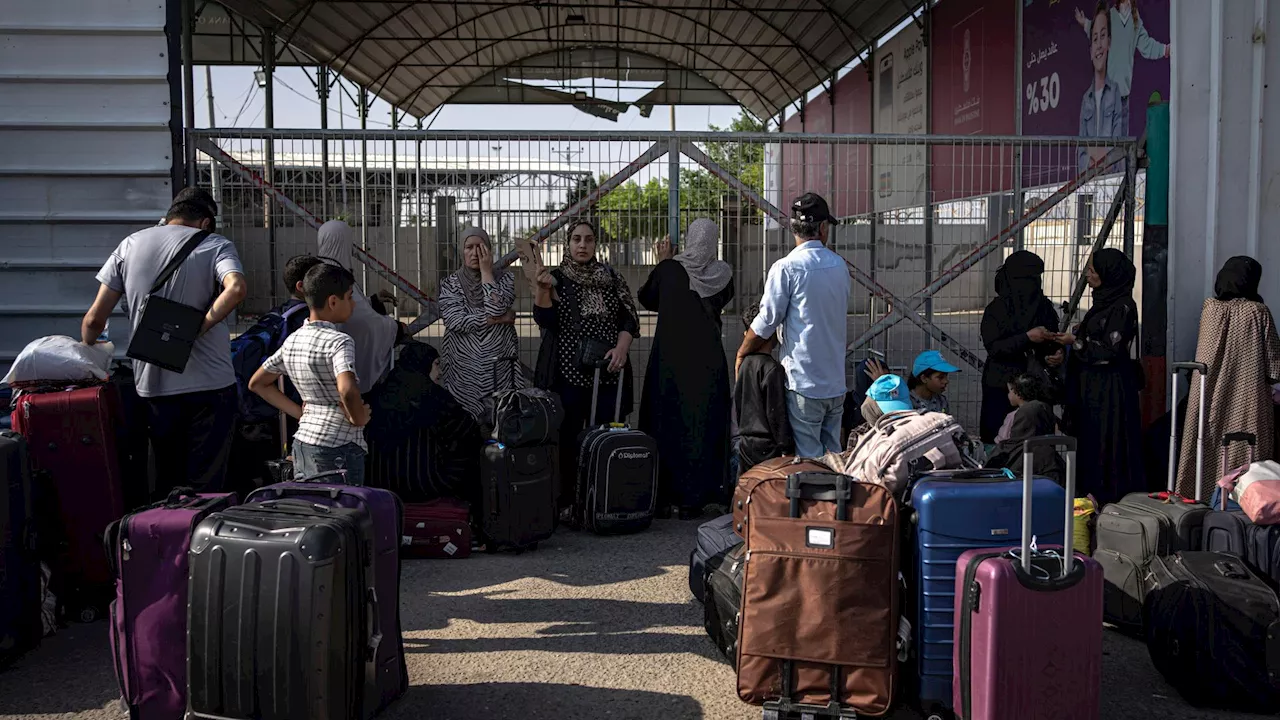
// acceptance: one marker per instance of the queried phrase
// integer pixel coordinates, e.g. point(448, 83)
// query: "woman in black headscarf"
point(1013, 322)
point(1104, 381)
point(1239, 344)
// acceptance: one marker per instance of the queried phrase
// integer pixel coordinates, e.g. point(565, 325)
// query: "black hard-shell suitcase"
point(714, 540)
point(1213, 631)
point(1232, 532)
point(1140, 527)
point(617, 487)
point(281, 624)
point(517, 506)
point(20, 625)
point(723, 601)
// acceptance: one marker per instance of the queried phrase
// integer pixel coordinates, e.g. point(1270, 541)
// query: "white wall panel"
point(85, 152)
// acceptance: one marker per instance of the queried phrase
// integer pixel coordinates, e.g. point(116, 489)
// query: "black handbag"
point(168, 330)
point(591, 354)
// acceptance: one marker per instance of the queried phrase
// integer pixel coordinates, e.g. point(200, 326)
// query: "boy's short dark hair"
point(1028, 388)
point(295, 271)
point(324, 281)
point(189, 211)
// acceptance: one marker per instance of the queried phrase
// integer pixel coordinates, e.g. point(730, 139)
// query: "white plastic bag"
point(58, 357)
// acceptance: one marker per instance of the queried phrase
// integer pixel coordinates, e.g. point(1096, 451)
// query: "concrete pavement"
point(585, 627)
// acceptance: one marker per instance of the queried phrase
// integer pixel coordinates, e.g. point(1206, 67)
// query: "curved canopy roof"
point(761, 54)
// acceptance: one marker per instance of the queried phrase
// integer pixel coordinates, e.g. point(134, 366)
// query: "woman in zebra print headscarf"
point(480, 343)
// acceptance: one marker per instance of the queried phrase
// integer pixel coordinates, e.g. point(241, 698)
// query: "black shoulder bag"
point(168, 330)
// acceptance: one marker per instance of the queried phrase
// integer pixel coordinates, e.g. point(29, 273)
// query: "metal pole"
point(215, 175)
point(1018, 199)
point(928, 171)
point(417, 205)
point(188, 89)
point(364, 183)
point(1130, 198)
point(395, 205)
point(322, 89)
point(673, 188)
point(269, 113)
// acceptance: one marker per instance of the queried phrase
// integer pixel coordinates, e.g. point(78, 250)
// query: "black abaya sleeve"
point(998, 334)
point(722, 298)
point(651, 290)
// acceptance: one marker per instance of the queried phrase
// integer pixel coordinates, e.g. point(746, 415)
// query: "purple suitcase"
point(1028, 631)
point(390, 679)
point(147, 550)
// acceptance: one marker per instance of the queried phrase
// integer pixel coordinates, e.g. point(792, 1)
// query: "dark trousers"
point(191, 438)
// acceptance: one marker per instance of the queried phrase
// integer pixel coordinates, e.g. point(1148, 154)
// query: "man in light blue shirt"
point(806, 298)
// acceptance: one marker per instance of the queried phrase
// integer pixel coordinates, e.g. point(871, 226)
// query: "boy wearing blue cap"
point(929, 380)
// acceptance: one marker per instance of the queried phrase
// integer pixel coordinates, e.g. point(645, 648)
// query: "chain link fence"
point(926, 220)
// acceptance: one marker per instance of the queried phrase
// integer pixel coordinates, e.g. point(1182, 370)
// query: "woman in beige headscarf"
point(375, 335)
point(685, 405)
point(480, 348)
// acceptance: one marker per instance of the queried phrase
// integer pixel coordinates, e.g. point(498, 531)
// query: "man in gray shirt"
point(190, 414)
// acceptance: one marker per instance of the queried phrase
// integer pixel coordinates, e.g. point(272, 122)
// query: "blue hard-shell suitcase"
point(955, 511)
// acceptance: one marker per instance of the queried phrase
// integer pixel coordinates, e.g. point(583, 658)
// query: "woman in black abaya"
point(1012, 324)
point(685, 405)
point(1103, 383)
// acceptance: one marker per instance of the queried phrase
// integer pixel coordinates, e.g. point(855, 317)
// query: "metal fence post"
point(1131, 197)
point(269, 115)
point(364, 182)
point(322, 88)
point(673, 190)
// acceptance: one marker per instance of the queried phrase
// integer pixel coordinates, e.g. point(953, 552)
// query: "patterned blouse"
point(475, 353)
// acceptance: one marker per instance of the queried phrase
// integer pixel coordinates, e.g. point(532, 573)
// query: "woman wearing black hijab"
point(1238, 343)
point(1019, 317)
point(1104, 381)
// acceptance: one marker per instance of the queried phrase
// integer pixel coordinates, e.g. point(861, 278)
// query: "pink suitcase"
point(1028, 631)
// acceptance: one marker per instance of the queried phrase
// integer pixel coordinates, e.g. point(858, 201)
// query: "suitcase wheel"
point(88, 614)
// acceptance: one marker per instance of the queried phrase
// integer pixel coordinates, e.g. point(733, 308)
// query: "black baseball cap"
point(810, 207)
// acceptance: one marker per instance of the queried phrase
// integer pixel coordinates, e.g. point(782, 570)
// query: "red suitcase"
point(1028, 631)
point(437, 529)
point(75, 459)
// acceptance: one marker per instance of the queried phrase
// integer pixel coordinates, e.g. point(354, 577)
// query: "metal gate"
point(925, 219)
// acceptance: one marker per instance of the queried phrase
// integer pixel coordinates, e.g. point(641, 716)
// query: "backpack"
point(250, 349)
point(903, 444)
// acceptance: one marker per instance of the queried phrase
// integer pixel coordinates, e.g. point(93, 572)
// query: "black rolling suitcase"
point(714, 540)
point(617, 487)
point(517, 507)
point(282, 623)
point(1140, 527)
point(1213, 631)
point(1232, 532)
point(723, 600)
point(20, 624)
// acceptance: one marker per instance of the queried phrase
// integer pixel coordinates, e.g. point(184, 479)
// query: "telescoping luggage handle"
point(1170, 494)
point(595, 397)
point(830, 487)
point(1028, 460)
point(1227, 440)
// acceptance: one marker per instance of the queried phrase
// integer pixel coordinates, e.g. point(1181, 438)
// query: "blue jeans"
point(311, 460)
point(815, 423)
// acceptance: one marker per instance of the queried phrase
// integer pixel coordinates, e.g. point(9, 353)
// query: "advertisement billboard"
point(1089, 70)
point(974, 80)
point(901, 105)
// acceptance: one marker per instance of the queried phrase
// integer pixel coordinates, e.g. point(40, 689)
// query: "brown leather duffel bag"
point(820, 592)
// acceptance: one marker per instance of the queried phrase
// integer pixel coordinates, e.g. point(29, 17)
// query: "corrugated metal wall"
point(85, 153)
point(1224, 175)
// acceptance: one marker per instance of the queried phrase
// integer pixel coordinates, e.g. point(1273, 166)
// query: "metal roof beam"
point(748, 87)
point(426, 42)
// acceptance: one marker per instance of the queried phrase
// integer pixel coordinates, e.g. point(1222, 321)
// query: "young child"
point(928, 382)
point(320, 360)
point(1023, 388)
point(760, 404)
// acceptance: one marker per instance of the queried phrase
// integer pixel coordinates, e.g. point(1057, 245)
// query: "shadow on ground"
point(539, 701)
